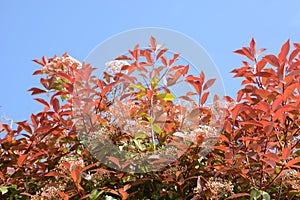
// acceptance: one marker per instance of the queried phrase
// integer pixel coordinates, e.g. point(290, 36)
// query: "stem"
point(262, 167)
point(272, 181)
point(152, 128)
point(280, 190)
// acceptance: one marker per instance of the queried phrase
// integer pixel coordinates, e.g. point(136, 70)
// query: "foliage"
point(61, 153)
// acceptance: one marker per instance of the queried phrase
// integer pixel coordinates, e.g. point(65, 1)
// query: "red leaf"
point(33, 120)
point(42, 101)
point(63, 195)
point(297, 45)
point(209, 83)
point(248, 53)
point(43, 129)
point(286, 153)
point(22, 159)
point(54, 174)
point(289, 91)
point(228, 157)
point(127, 187)
point(185, 70)
point(222, 148)
point(161, 52)
point(280, 113)
point(148, 57)
point(197, 86)
point(253, 46)
point(277, 103)
point(272, 156)
point(25, 126)
point(175, 56)
point(293, 161)
point(37, 72)
point(260, 51)
point(90, 166)
point(204, 97)
point(260, 65)
point(149, 94)
point(272, 60)
point(123, 193)
point(66, 76)
point(239, 51)
point(262, 93)
point(228, 99)
point(123, 57)
point(224, 138)
point(38, 62)
point(55, 104)
point(164, 60)
point(239, 96)
point(235, 111)
point(293, 55)
point(114, 160)
point(202, 77)
point(2, 176)
point(250, 122)
point(75, 175)
point(153, 43)
point(45, 60)
point(136, 52)
point(36, 91)
point(284, 51)
point(238, 195)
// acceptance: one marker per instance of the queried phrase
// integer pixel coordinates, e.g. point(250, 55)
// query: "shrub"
point(120, 137)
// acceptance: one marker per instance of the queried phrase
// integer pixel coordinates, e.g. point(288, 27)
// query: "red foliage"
point(257, 154)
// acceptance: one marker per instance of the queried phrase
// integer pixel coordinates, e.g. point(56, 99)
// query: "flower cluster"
point(57, 64)
point(115, 66)
point(172, 170)
point(49, 192)
point(292, 177)
point(207, 131)
point(98, 178)
point(219, 187)
point(74, 163)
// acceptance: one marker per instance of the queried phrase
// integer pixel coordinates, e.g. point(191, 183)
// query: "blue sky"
point(31, 29)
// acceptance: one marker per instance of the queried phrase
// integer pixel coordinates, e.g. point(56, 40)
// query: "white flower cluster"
point(219, 187)
point(115, 66)
point(74, 162)
point(59, 63)
point(70, 60)
point(97, 178)
point(49, 192)
point(208, 131)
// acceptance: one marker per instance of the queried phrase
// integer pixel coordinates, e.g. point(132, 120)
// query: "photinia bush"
point(127, 136)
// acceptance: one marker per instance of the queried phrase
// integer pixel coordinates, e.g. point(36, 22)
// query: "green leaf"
point(265, 195)
point(256, 194)
point(142, 114)
point(140, 135)
point(3, 189)
point(151, 120)
point(95, 194)
point(154, 82)
point(139, 145)
point(138, 87)
point(157, 128)
point(166, 97)
point(140, 95)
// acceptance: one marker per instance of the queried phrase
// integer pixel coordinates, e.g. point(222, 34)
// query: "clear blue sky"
point(31, 29)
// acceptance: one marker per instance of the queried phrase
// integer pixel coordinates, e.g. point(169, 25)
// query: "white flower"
point(71, 60)
point(115, 66)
